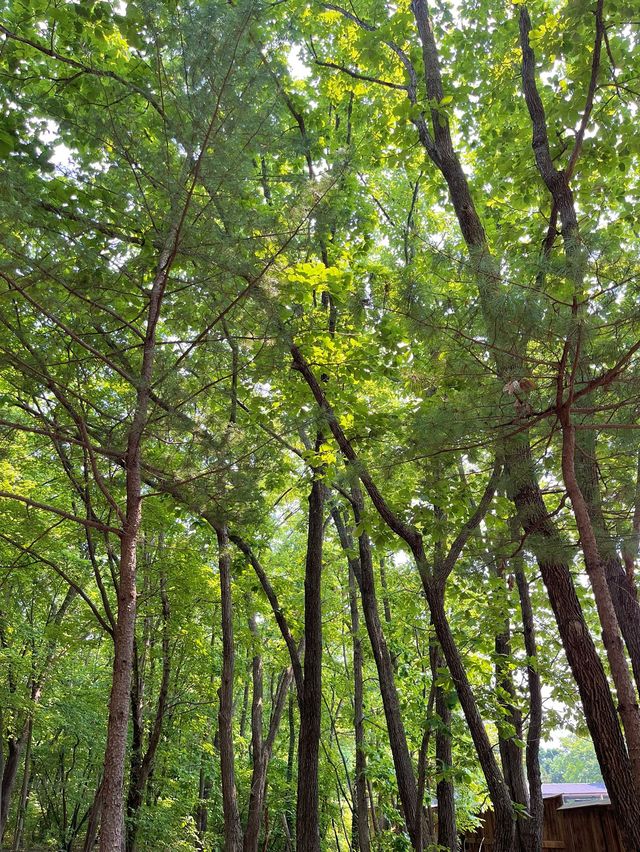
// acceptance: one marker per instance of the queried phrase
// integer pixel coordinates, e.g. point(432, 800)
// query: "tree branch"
point(86, 69)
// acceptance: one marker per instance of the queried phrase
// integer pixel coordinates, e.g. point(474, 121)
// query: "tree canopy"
point(319, 394)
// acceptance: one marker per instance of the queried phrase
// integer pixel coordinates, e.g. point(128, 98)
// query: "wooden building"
point(579, 823)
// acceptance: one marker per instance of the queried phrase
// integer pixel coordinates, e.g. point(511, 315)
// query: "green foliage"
point(573, 761)
point(308, 212)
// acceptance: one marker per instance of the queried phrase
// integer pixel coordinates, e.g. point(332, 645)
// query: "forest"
point(319, 397)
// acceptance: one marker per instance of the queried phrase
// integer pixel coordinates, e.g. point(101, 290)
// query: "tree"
point(319, 394)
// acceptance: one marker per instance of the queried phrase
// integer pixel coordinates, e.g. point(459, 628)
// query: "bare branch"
point(358, 76)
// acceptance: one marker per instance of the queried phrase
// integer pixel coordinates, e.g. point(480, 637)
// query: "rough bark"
point(627, 704)
point(534, 730)
point(618, 576)
point(362, 568)
point(307, 820)
point(360, 812)
point(447, 829)
point(232, 826)
point(254, 817)
point(498, 790)
point(112, 830)
point(510, 751)
point(587, 669)
point(24, 790)
point(142, 761)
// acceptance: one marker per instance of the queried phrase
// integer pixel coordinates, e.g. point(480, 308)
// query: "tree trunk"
point(9, 776)
point(254, 818)
point(627, 704)
point(620, 584)
point(24, 791)
point(205, 783)
point(498, 790)
point(142, 763)
point(204, 793)
point(364, 574)
point(232, 826)
point(593, 686)
point(547, 544)
point(601, 725)
point(307, 824)
point(632, 541)
point(534, 730)
point(447, 829)
point(360, 811)
point(245, 710)
point(112, 830)
point(510, 751)
point(262, 749)
point(134, 794)
point(93, 821)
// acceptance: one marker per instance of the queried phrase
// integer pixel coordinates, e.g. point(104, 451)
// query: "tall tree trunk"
point(534, 730)
point(205, 783)
point(9, 776)
point(258, 795)
point(360, 811)
point(620, 583)
point(262, 748)
point(254, 817)
point(112, 829)
point(386, 603)
point(498, 790)
point(532, 514)
point(558, 185)
point(291, 754)
point(447, 828)
point(232, 826)
point(93, 821)
point(142, 763)
point(204, 793)
point(586, 666)
point(24, 791)
point(134, 794)
point(245, 710)
point(627, 703)
point(363, 571)
point(433, 586)
point(307, 820)
point(510, 751)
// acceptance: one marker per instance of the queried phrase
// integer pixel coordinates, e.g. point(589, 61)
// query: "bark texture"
point(362, 568)
point(307, 819)
point(231, 813)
